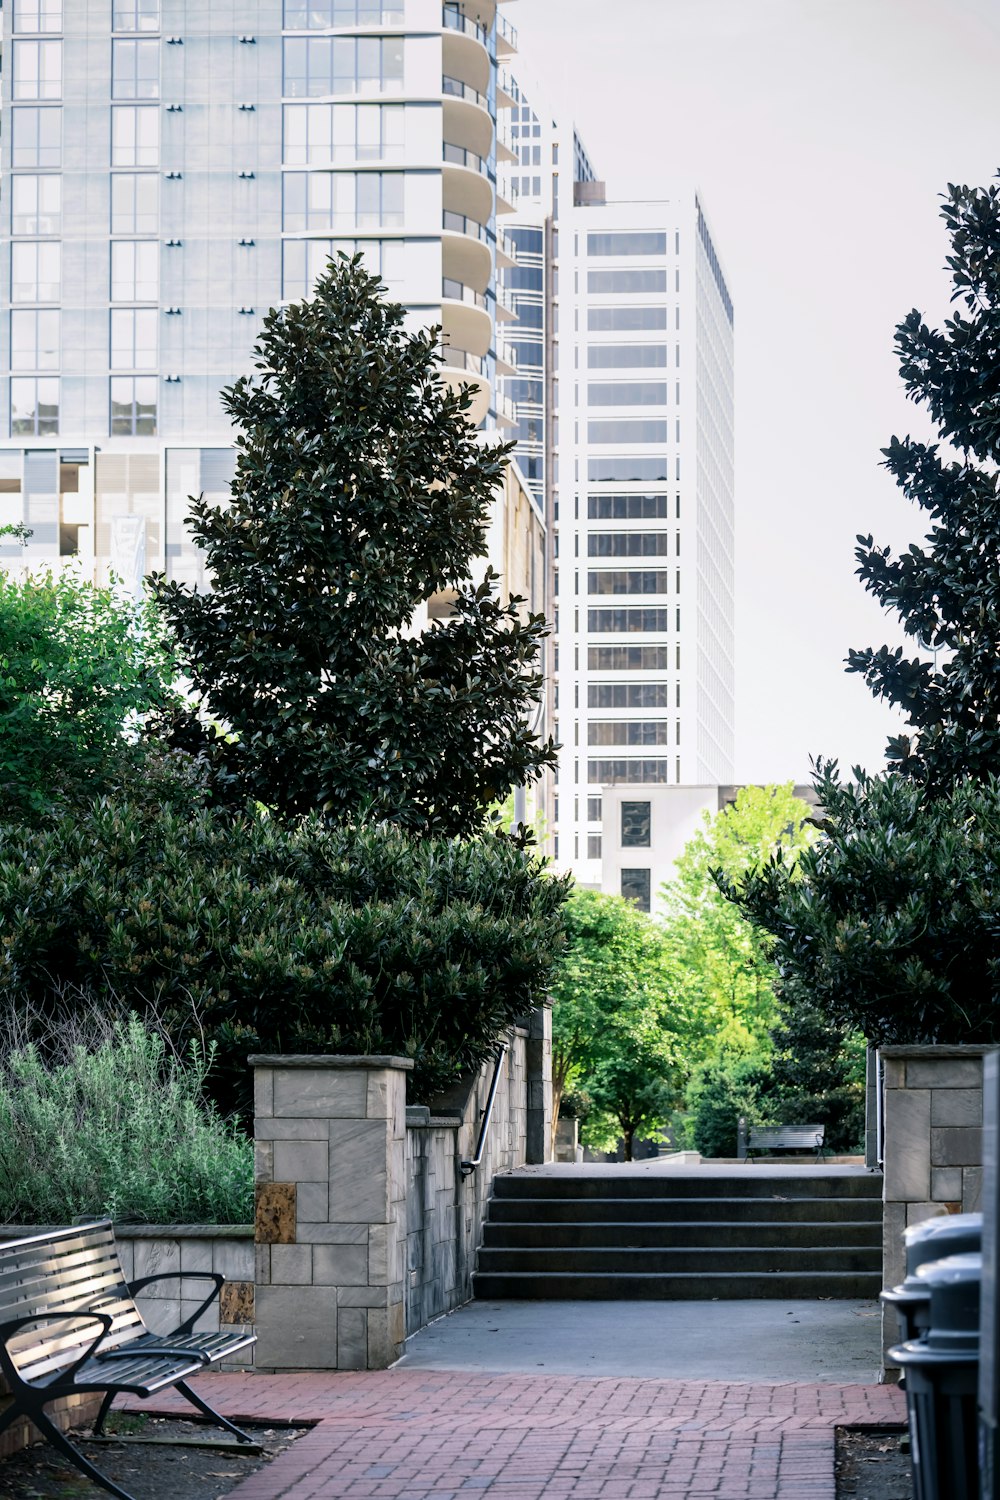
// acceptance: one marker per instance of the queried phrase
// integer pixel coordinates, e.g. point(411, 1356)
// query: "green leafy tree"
point(721, 962)
point(615, 1024)
point(947, 592)
point(81, 669)
point(361, 491)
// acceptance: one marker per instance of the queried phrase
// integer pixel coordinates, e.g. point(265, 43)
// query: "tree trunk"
point(629, 1133)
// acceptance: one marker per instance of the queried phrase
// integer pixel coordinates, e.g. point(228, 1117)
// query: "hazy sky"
point(819, 133)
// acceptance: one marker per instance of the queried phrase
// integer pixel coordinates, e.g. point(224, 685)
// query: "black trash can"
point(933, 1239)
point(942, 1376)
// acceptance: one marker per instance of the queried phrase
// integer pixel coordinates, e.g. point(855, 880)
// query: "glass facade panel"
point(625, 242)
point(303, 261)
point(635, 888)
point(38, 15)
point(34, 406)
point(593, 846)
point(615, 620)
point(627, 356)
point(37, 70)
point(636, 821)
point(36, 204)
point(630, 771)
point(626, 319)
point(628, 507)
point(627, 432)
point(628, 581)
point(627, 392)
point(133, 338)
point(37, 138)
point(36, 271)
point(625, 280)
point(135, 135)
point(133, 405)
point(135, 203)
point(342, 200)
point(135, 15)
point(628, 732)
point(34, 338)
point(628, 695)
point(628, 544)
point(135, 70)
point(135, 271)
point(318, 15)
point(316, 134)
point(627, 468)
point(628, 658)
point(314, 66)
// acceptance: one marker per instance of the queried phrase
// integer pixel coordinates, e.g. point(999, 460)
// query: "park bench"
point(773, 1139)
point(69, 1325)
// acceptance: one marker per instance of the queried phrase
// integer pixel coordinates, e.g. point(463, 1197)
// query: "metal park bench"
point(778, 1138)
point(69, 1325)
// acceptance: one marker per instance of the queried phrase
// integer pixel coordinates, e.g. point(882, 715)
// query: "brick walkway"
point(451, 1435)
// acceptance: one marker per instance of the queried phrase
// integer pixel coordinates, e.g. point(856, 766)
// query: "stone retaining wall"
point(932, 1147)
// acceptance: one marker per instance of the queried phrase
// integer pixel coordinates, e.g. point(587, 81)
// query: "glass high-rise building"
point(174, 169)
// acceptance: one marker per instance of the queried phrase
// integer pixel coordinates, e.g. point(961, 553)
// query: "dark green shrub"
point(717, 1094)
point(261, 937)
point(104, 1119)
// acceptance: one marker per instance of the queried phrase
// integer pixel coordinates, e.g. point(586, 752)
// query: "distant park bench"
point(774, 1139)
point(69, 1325)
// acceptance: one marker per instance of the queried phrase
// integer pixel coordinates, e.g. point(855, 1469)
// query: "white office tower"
point(171, 171)
point(643, 505)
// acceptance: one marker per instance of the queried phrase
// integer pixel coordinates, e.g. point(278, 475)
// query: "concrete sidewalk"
point(407, 1434)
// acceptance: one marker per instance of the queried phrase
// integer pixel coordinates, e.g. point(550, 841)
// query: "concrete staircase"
point(748, 1232)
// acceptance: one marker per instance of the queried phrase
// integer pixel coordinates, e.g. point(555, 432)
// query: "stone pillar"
point(538, 1144)
point(330, 1226)
point(933, 1146)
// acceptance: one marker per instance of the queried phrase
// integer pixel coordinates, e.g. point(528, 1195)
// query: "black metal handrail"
point(468, 1167)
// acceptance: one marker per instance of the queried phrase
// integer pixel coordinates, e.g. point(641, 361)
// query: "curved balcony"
point(465, 317)
point(504, 306)
point(506, 359)
point(506, 37)
point(506, 411)
point(455, 88)
point(455, 18)
point(459, 156)
point(456, 223)
point(505, 90)
point(466, 123)
point(503, 149)
point(465, 256)
point(507, 195)
point(506, 252)
point(461, 367)
point(467, 192)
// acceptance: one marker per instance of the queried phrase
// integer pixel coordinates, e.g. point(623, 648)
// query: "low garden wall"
point(932, 1148)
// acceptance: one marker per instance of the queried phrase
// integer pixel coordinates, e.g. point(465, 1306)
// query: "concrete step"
point(617, 1260)
point(750, 1183)
point(588, 1234)
point(614, 1287)
point(777, 1209)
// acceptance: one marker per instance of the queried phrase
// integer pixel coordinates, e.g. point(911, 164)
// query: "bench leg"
point(59, 1440)
point(102, 1414)
point(209, 1411)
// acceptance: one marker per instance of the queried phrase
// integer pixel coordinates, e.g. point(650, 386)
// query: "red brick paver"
point(453, 1435)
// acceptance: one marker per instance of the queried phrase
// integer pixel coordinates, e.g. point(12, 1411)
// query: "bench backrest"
point(64, 1271)
point(790, 1136)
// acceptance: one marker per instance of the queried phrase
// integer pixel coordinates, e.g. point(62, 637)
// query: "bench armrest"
point(14, 1325)
point(217, 1279)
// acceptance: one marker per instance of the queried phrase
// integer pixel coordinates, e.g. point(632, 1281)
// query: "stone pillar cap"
point(325, 1060)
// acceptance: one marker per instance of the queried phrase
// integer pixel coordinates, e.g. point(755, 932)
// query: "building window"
point(636, 243)
point(631, 771)
point(37, 138)
point(593, 846)
point(628, 507)
point(135, 70)
point(628, 468)
point(636, 825)
point(36, 271)
point(627, 393)
point(38, 15)
point(135, 271)
point(628, 581)
point(635, 887)
point(628, 732)
point(628, 544)
point(135, 135)
point(316, 134)
point(626, 319)
point(314, 66)
point(135, 15)
point(135, 203)
point(133, 338)
point(629, 620)
point(318, 15)
point(34, 338)
point(342, 200)
point(628, 695)
point(603, 282)
point(593, 809)
point(628, 658)
point(37, 70)
point(34, 406)
point(303, 261)
point(36, 204)
point(627, 357)
point(133, 405)
point(625, 431)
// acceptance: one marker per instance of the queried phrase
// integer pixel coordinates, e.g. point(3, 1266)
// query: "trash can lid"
point(954, 1285)
point(947, 1234)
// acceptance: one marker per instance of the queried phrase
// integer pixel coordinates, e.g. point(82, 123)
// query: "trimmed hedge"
point(239, 930)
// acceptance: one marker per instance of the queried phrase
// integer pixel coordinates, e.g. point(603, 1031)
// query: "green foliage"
point(361, 490)
point(721, 962)
point(947, 592)
point(717, 1094)
point(615, 1025)
point(818, 1074)
point(267, 938)
point(107, 1121)
point(80, 668)
point(891, 927)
